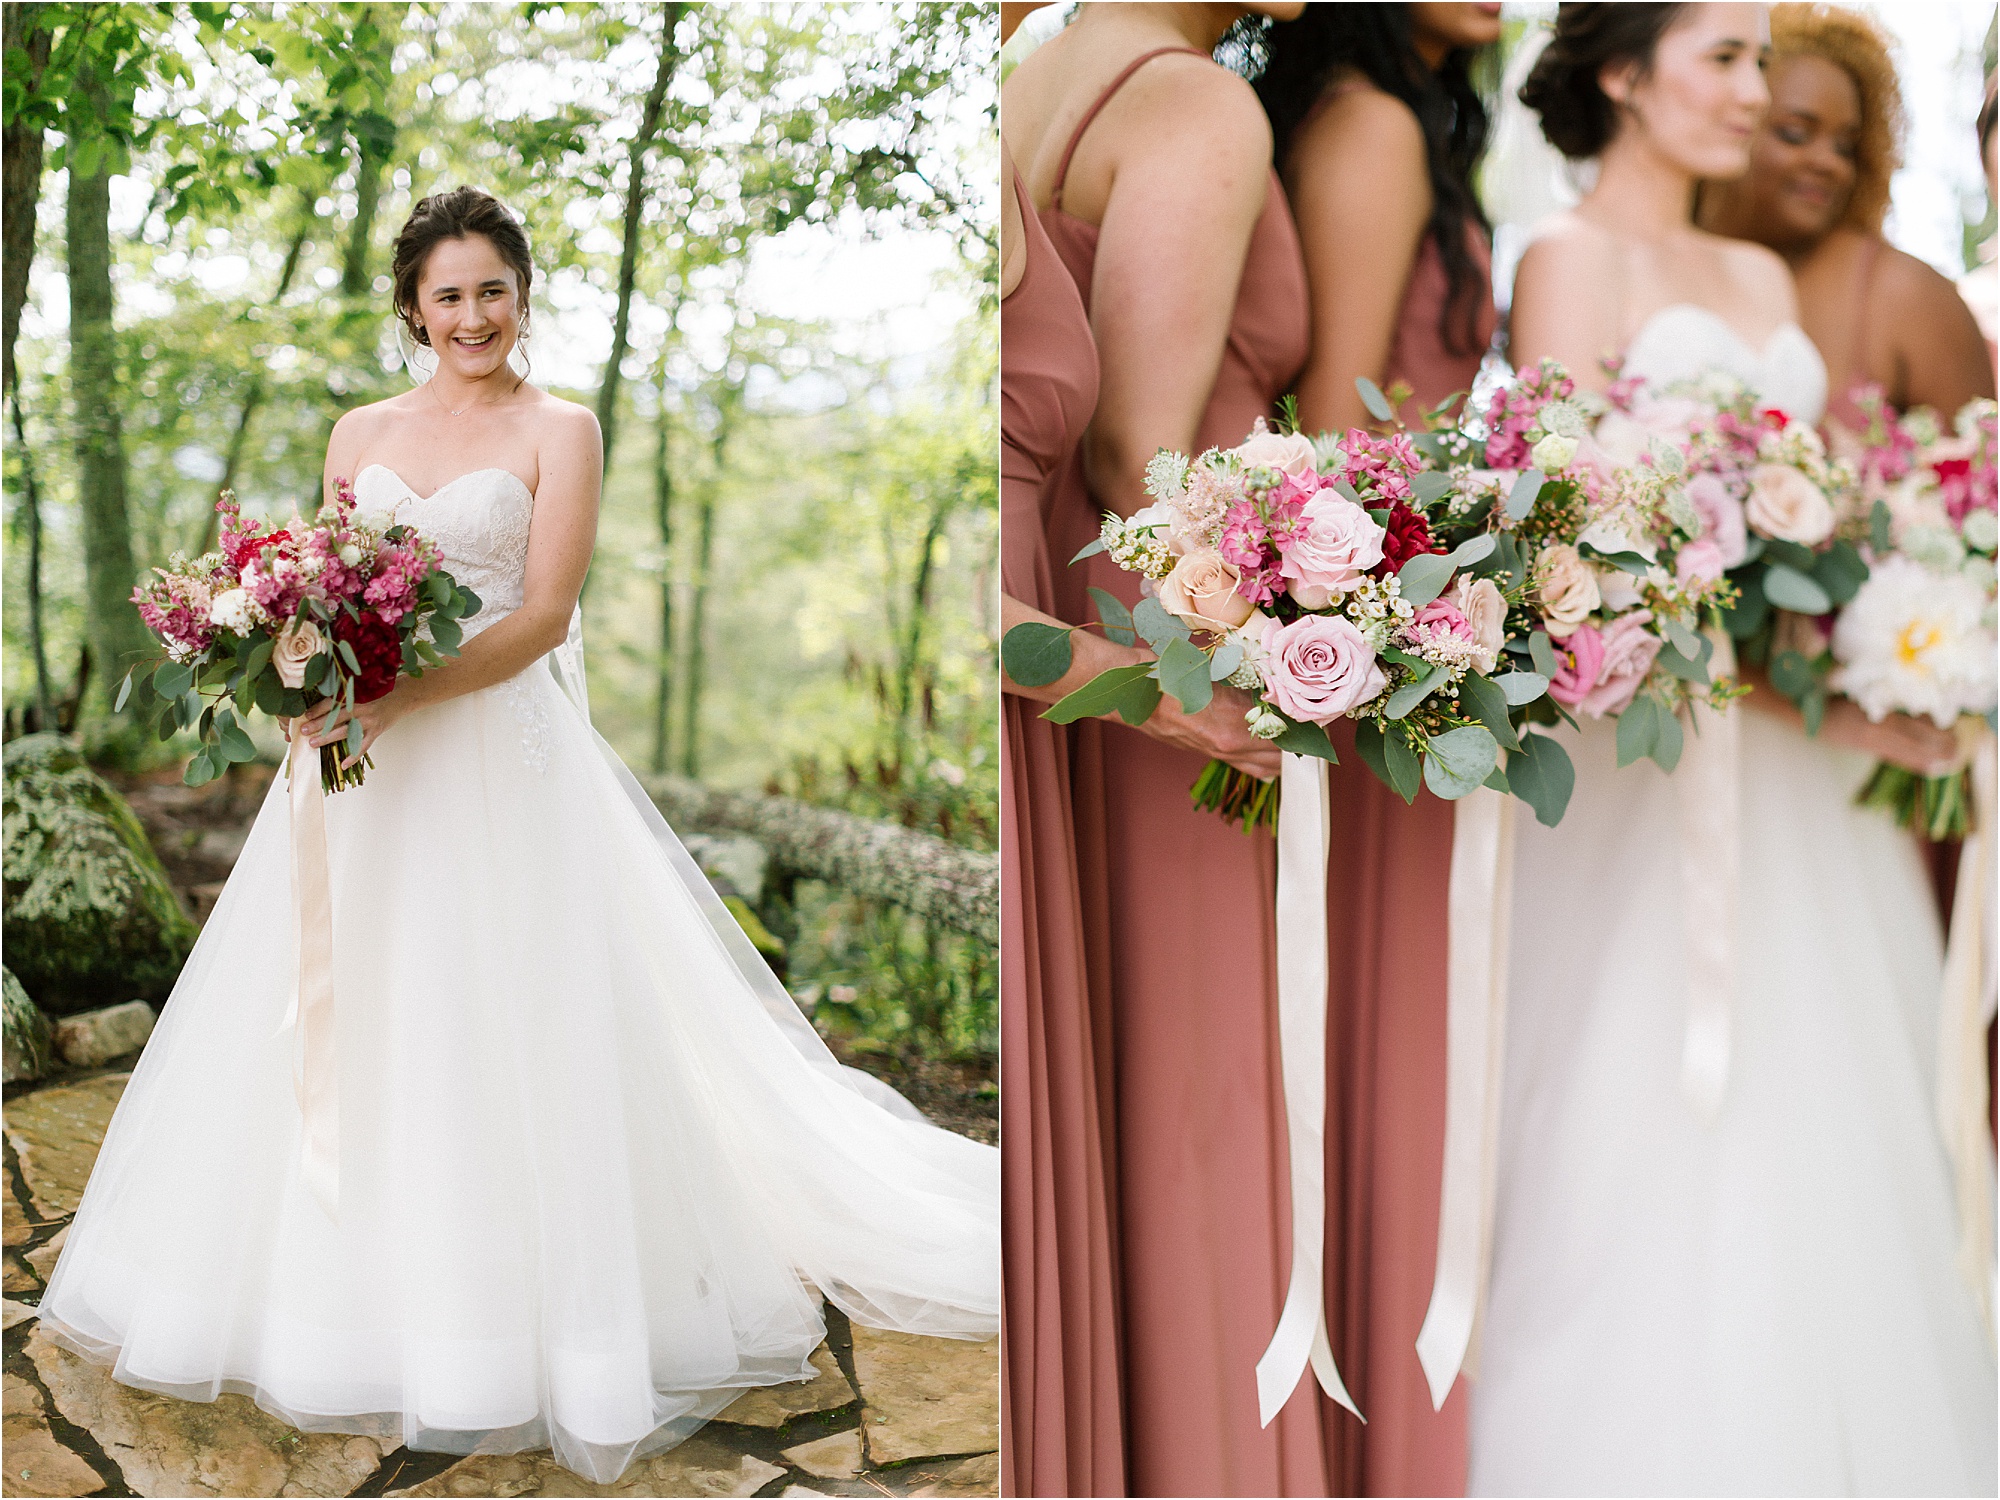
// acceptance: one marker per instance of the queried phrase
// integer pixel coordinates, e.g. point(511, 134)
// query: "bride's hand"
point(1915, 744)
point(327, 723)
point(1218, 732)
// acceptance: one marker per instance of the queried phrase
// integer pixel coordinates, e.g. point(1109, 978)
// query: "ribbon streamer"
point(1481, 908)
point(1706, 793)
point(1965, 1006)
point(315, 1058)
point(1304, 840)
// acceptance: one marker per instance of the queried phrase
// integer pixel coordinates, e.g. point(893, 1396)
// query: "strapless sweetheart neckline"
point(456, 479)
point(1755, 351)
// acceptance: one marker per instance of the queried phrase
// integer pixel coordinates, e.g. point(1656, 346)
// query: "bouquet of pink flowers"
point(282, 620)
point(1919, 635)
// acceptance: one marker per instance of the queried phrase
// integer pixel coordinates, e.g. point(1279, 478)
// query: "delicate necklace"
point(430, 386)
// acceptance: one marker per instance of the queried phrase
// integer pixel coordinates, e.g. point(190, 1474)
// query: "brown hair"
point(1577, 116)
point(1857, 46)
point(453, 216)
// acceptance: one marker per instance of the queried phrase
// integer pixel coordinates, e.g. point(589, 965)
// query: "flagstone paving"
point(886, 1414)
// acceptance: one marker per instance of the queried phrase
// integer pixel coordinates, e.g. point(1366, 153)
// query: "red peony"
point(377, 647)
point(1408, 534)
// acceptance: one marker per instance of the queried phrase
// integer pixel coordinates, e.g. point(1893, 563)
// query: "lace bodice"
point(479, 522)
point(1682, 341)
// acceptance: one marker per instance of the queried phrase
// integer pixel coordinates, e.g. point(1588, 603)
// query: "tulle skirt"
point(595, 1171)
point(1768, 1304)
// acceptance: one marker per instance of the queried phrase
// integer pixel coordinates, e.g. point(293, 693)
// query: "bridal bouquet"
point(283, 620)
point(1919, 635)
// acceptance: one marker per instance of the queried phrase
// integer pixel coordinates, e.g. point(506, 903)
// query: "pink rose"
point(1578, 658)
point(1201, 590)
point(1721, 518)
point(1318, 668)
point(1485, 611)
point(1288, 452)
point(1332, 548)
point(1699, 559)
point(1788, 506)
point(1629, 649)
point(1440, 618)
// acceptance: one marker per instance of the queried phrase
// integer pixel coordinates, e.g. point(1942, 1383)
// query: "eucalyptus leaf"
point(124, 691)
point(1521, 687)
point(1089, 549)
point(1406, 772)
point(1184, 673)
point(1543, 655)
point(1036, 654)
point(1459, 762)
point(1878, 527)
point(1793, 675)
point(1692, 669)
point(1156, 626)
point(347, 655)
point(1840, 571)
point(1368, 745)
point(1790, 589)
point(1410, 694)
point(1638, 730)
point(1346, 492)
point(1488, 705)
point(1117, 619)
point(1667, 741)
point(1227, 658)
point(1431, 486)
point(1372, 398)
point(172, 679)
point(1541, 775)
point(1135, 704)
point(1307, 739)
point(1682, 639)
point(1424, 577)
point(1521, 499)
point(1474, 549)
point(1097, 696)
point(259, 657)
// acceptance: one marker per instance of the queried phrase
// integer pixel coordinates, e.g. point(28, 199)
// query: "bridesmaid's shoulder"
point(1366, 126)
point(1913, 290)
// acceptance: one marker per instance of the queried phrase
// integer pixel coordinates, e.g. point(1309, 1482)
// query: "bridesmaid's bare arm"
point(1364, 148)
point(1940, 356)
point(1192, 168)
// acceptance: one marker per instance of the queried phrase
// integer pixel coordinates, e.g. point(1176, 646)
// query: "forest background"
point(765, 245)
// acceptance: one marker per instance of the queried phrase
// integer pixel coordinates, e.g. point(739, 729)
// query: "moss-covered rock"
point(89, 916)
point(30, 1049)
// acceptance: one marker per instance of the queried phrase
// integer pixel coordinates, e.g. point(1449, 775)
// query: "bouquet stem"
point(1237, 796)
point(1938, 807)
point(333, 777)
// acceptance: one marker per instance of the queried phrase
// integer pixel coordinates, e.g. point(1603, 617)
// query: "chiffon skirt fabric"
point(1769, 1304)
point(594, 1167)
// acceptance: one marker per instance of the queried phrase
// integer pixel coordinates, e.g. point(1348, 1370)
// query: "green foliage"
point(30, 1048)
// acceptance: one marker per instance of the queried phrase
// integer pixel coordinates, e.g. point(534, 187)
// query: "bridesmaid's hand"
point(1218, 732)
point(1915, 744)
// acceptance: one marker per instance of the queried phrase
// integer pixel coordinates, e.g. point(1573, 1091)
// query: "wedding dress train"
point(594, 1169)
point(1766, 1304)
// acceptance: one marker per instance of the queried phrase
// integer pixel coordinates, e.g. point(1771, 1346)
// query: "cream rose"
point(1788, 506)
point(1566, 589)
point(1485, 610)
point(297, 644)
point(1288, 452)
point(1201, 590)
point(1553, 453)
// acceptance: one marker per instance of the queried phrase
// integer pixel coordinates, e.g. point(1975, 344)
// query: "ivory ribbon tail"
point(1480, 911)
point(315, 1062)
point(1706, 792)
point(1304, 836)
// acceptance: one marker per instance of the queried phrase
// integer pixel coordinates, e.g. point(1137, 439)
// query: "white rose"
point(1485, 610)
point(297, 644)
point(350, 554)
point(1566, 590)
point(1786, 505)
point(1553, 453)
point(234, 610)
point(1288, 452)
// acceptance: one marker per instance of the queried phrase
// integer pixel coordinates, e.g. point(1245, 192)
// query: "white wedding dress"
point(595, 1170)
point(1768, 1304)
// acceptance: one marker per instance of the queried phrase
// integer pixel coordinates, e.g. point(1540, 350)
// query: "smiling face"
point(1802, 162)
point(1700, 101)
point(469, 302)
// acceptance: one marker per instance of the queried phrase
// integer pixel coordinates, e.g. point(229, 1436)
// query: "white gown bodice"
point(478, 520)
point(1682, 341)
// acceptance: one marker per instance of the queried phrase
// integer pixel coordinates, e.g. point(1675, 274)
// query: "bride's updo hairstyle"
point(455, 215)
point(1578, 117)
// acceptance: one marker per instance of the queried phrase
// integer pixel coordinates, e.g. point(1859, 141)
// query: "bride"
point(1765, 1303)
point(594, 1171)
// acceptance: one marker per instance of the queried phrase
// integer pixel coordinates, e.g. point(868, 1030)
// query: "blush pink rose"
point(1318, 668)
point(1629, 649)
point(1787, 505)
point(1578, 658)
point(1721, 518)
point(1288, 452)
point(1201, 590)
point(1700, 558)
point(1332, 548)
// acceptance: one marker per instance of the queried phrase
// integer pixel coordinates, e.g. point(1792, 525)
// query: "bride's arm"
point(1565, 304)
point(560, 540)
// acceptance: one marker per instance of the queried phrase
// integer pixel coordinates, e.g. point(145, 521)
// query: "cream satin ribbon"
point(315, 1058)
point(1304, 841)
point(1706, 795)
point(1480, 913)
point(1965, 1006)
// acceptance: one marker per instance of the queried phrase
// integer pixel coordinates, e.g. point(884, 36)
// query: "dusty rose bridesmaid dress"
point(1386, 1043)
point(1179, 902)
point(1061, 1429)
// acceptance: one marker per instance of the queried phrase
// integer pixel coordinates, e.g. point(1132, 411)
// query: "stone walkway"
point(888, 1414)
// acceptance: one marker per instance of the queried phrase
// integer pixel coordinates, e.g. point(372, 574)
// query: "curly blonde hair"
point(1858, 47)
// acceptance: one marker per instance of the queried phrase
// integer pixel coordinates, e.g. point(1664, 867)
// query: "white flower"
point(1263, 723)
point(1166, 475)
point(1934, 546)
point(1553, 453)
point(1563, 419)
point(350, 554)
point(1981, 530)
point(234, 610)
point(1915, 641)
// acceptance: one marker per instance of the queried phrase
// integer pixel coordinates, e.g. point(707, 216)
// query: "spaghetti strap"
point(1062, 167)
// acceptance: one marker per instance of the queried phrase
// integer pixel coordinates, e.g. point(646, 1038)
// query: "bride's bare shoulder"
point(1567, 244)
point(1754, 270)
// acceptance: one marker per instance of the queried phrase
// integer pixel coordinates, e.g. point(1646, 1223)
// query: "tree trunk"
point(253, 397)
point(20, 182)
point(635, 203)
point(910, 648)
point(663, 496)
point(111, 624)
point(371, 156)
point(31, 508)
point(725, 412)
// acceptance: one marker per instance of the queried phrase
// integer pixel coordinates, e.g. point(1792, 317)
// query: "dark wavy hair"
point(1301, 59)
point(1578, 117)
point(455, 215)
